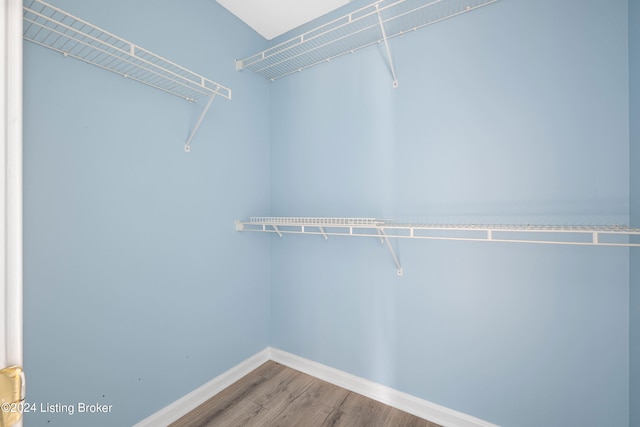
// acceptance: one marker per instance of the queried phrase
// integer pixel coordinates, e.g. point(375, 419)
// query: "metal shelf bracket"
point(187, 145)
point(386, 46)
point(324, 234)
point(385, 239)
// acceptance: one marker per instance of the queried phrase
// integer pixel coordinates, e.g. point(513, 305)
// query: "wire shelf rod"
point(318, 47)
point(320, 221)
point(350, 232)
point(147, 82)
point(61, 31)
point(372, 10)
point(384, 230)
point(369, 227)
point(353, 32)
point(296, 41)
point(320, 61)
point(121, 62)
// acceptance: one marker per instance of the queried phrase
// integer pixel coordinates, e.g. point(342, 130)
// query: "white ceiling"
point(271, 18)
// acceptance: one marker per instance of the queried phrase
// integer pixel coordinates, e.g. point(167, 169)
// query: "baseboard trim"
point(397, 399)
point(189, 402)
point(405, 402)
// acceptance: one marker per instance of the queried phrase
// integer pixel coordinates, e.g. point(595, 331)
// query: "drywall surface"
point(137, 287)
point(634, 257)
point(515, 113)
point(634, 111)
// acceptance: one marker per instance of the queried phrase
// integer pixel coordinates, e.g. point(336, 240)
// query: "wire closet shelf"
point(384, 230)
point(603, 235)
point(364, 27)
point(63, 32)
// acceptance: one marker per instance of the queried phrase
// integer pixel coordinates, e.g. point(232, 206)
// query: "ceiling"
point(271, 18)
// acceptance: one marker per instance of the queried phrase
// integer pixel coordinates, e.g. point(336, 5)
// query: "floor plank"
point(274, 395)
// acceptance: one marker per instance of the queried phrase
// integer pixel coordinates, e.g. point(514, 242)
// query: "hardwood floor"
point(274, 395)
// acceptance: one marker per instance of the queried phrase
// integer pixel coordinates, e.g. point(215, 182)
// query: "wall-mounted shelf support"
point(187, 145)
point(385, 239)
point(323, 233)
point(53, 28)
point(386, 46)
point(604, 235)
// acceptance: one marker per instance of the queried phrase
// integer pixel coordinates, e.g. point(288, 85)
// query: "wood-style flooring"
point(274, 395)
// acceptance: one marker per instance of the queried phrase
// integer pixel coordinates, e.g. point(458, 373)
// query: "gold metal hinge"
point(12, 392)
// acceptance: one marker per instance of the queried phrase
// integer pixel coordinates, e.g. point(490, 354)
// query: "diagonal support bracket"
point(385, 239)
point(386, 45)
point(275, 228)
point(187, 145)
point(324, 234)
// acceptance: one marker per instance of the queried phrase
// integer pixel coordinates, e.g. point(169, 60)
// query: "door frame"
point(11, 273)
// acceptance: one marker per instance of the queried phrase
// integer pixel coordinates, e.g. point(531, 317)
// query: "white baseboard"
point(397, 399)
point(189, 402)
point(419, 407)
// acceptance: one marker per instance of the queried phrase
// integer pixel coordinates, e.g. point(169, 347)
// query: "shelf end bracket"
point(187, 145)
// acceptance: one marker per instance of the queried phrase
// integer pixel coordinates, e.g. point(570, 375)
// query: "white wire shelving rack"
point(370, 25)
point(53, 28)
point(606, 235)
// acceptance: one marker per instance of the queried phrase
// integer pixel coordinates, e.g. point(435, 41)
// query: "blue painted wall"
point(517, 112)
point(137, 287)
point(634, 156)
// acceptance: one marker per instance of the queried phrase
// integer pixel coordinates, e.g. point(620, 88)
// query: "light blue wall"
point(517, 112)
point(137, 288)
point(634, 156)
